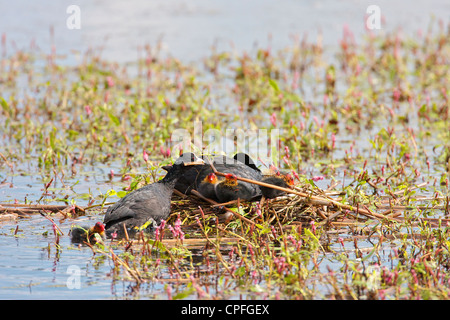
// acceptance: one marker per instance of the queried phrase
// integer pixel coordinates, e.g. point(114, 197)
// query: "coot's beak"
point(167, 168)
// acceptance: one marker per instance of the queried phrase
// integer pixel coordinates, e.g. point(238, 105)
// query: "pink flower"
point(88, 110)
point(145, 155)
point(273, 119)
point(274, 232)
point(258, 209)
point(169, 292)
point(159, 232)
point(280, 264)
point(318, 178)
point(110, 81)
point(396, 95)
point(313, 226)
point(165, 152)
point(177, 230)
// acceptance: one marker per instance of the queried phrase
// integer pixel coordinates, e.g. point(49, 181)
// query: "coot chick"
point(230, 189)
point(149, 204)
point(241, 165)
point(207, 187)
point(279, 179)
point(85, 234)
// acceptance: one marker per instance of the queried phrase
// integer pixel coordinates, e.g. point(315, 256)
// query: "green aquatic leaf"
point(114, 119)
point(274, 85)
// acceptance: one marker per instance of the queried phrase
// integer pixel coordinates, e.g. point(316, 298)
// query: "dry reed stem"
point(196, 193)
point(366, 212)
point(190, 242)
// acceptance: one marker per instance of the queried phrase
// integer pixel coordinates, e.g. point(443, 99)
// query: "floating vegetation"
point(365, 133)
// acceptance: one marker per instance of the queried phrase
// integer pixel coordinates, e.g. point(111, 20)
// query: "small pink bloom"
point(313, 226)
point(145, 155)
point(110, 81)
point(274, 232)
point(88, 110)
point(273, 119)
point(396, 95)
point(169, 292)
point(302, 125)
point(165, 152)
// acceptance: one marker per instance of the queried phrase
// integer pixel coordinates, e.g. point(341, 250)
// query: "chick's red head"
point(211, 178)
point(289, 179)
point(230, 176)
point(99, 227)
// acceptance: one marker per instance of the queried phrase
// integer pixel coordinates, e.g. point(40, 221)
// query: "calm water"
point(30, 265)
point(188, 29)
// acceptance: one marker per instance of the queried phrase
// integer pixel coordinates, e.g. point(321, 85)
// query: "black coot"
point(149, 204)
point(240, 165)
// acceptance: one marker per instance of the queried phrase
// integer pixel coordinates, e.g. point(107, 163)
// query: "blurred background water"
point(188, 29)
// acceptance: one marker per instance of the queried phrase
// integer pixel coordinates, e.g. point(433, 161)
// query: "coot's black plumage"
point(240, 165)
point(149, 204)
point(279, 179)
point(230, 189)
point(207, 187)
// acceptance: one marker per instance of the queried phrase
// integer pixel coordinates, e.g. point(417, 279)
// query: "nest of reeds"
point(300, 205)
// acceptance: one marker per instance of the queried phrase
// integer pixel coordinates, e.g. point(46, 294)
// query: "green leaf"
point(114, 119)
point(274, 85)
point(121, 193)
point(4, 105)
point(184, 294)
